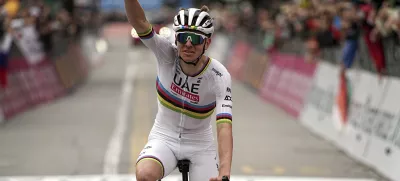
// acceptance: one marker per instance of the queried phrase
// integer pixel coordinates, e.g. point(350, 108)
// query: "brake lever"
point(225, 178)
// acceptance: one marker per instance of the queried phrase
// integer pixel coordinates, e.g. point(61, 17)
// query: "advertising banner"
point(13, 99)
point(383, 150)
point(317, 112)
point(366, 97)
point(371, 132)
point(287, 81)
point(29, 86)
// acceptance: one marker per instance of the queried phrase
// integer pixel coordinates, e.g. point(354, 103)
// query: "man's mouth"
point(188, 52)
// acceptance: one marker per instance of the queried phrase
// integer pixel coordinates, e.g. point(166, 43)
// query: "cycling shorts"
point(166, 152)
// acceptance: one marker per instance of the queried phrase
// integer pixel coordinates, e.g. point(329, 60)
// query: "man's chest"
point(194, 90)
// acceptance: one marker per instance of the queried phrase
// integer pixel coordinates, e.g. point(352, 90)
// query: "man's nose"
point(188, 43)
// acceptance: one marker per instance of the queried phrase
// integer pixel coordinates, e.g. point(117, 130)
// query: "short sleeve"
point(164, 50)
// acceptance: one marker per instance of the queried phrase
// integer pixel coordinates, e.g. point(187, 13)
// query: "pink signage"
point(287, 81)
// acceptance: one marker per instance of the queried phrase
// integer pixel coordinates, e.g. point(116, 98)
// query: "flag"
point(341, 106)
point(3, 69)
point(4, 51)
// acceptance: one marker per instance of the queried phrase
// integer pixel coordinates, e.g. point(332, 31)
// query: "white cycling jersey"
point(186, 103)
point(182, 128)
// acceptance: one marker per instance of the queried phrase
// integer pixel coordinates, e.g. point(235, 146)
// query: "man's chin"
point(188, 59)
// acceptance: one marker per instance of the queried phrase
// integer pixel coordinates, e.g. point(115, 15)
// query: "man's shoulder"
point(218, 69)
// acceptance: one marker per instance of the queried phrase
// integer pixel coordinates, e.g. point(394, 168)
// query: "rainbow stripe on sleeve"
point(224, 118)
point(148, 34)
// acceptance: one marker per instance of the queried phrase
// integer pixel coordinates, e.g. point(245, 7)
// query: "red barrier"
point(28, 86)
point(287, 81)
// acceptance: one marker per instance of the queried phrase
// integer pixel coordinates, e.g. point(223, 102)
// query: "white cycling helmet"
point(193, 19)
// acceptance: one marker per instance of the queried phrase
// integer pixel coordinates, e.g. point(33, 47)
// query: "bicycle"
point(183, 166)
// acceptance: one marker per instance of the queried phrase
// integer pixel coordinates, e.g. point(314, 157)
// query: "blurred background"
point(315, 87)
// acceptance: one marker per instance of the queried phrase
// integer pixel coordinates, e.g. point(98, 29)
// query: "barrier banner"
point(29, 86)
point(383, 151)
point(31, 77)
point(236, 60)
point(287, 81)
point(13, 99)
point(372, 131)
point(317, 111)
point(365, 100)
point(253, 70)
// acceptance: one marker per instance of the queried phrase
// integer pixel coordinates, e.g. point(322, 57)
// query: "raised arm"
point(136, 16)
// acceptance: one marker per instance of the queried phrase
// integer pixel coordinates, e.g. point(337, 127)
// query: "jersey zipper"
point(182, 121)
point(182, 118)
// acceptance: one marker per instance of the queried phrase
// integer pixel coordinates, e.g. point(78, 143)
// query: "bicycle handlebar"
point(225, 178)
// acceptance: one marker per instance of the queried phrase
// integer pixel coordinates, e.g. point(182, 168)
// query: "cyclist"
point(190, 88)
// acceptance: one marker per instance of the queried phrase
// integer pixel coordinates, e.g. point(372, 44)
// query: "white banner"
point(28, 42)
point(372, 131)
point(317, 112)
point(384, 147)
point(365, 100)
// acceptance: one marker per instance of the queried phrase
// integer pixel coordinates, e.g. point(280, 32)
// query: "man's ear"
point(208, 42)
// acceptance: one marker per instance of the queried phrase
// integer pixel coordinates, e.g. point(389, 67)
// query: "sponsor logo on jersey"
point(186, 89)
point(225, 105)
point(228, 90)
point(186, 86)
point(185, 94)
point(218, 73)
point(228, 98)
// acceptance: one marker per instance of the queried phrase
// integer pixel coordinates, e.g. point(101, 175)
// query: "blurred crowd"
point(46, 16)
point(309, 25)
point(318, 24)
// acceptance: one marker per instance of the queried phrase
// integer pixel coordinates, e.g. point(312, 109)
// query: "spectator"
point(246, 18)
point(322, 24)
point(351, 31)
point(45, 29)
point(373, 42)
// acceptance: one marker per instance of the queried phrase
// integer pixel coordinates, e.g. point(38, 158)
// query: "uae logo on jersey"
point(185, 88)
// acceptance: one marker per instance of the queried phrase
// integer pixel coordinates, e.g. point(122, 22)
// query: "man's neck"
point(190, 69)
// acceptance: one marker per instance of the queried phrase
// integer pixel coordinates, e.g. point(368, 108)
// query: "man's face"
point(190, 45)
